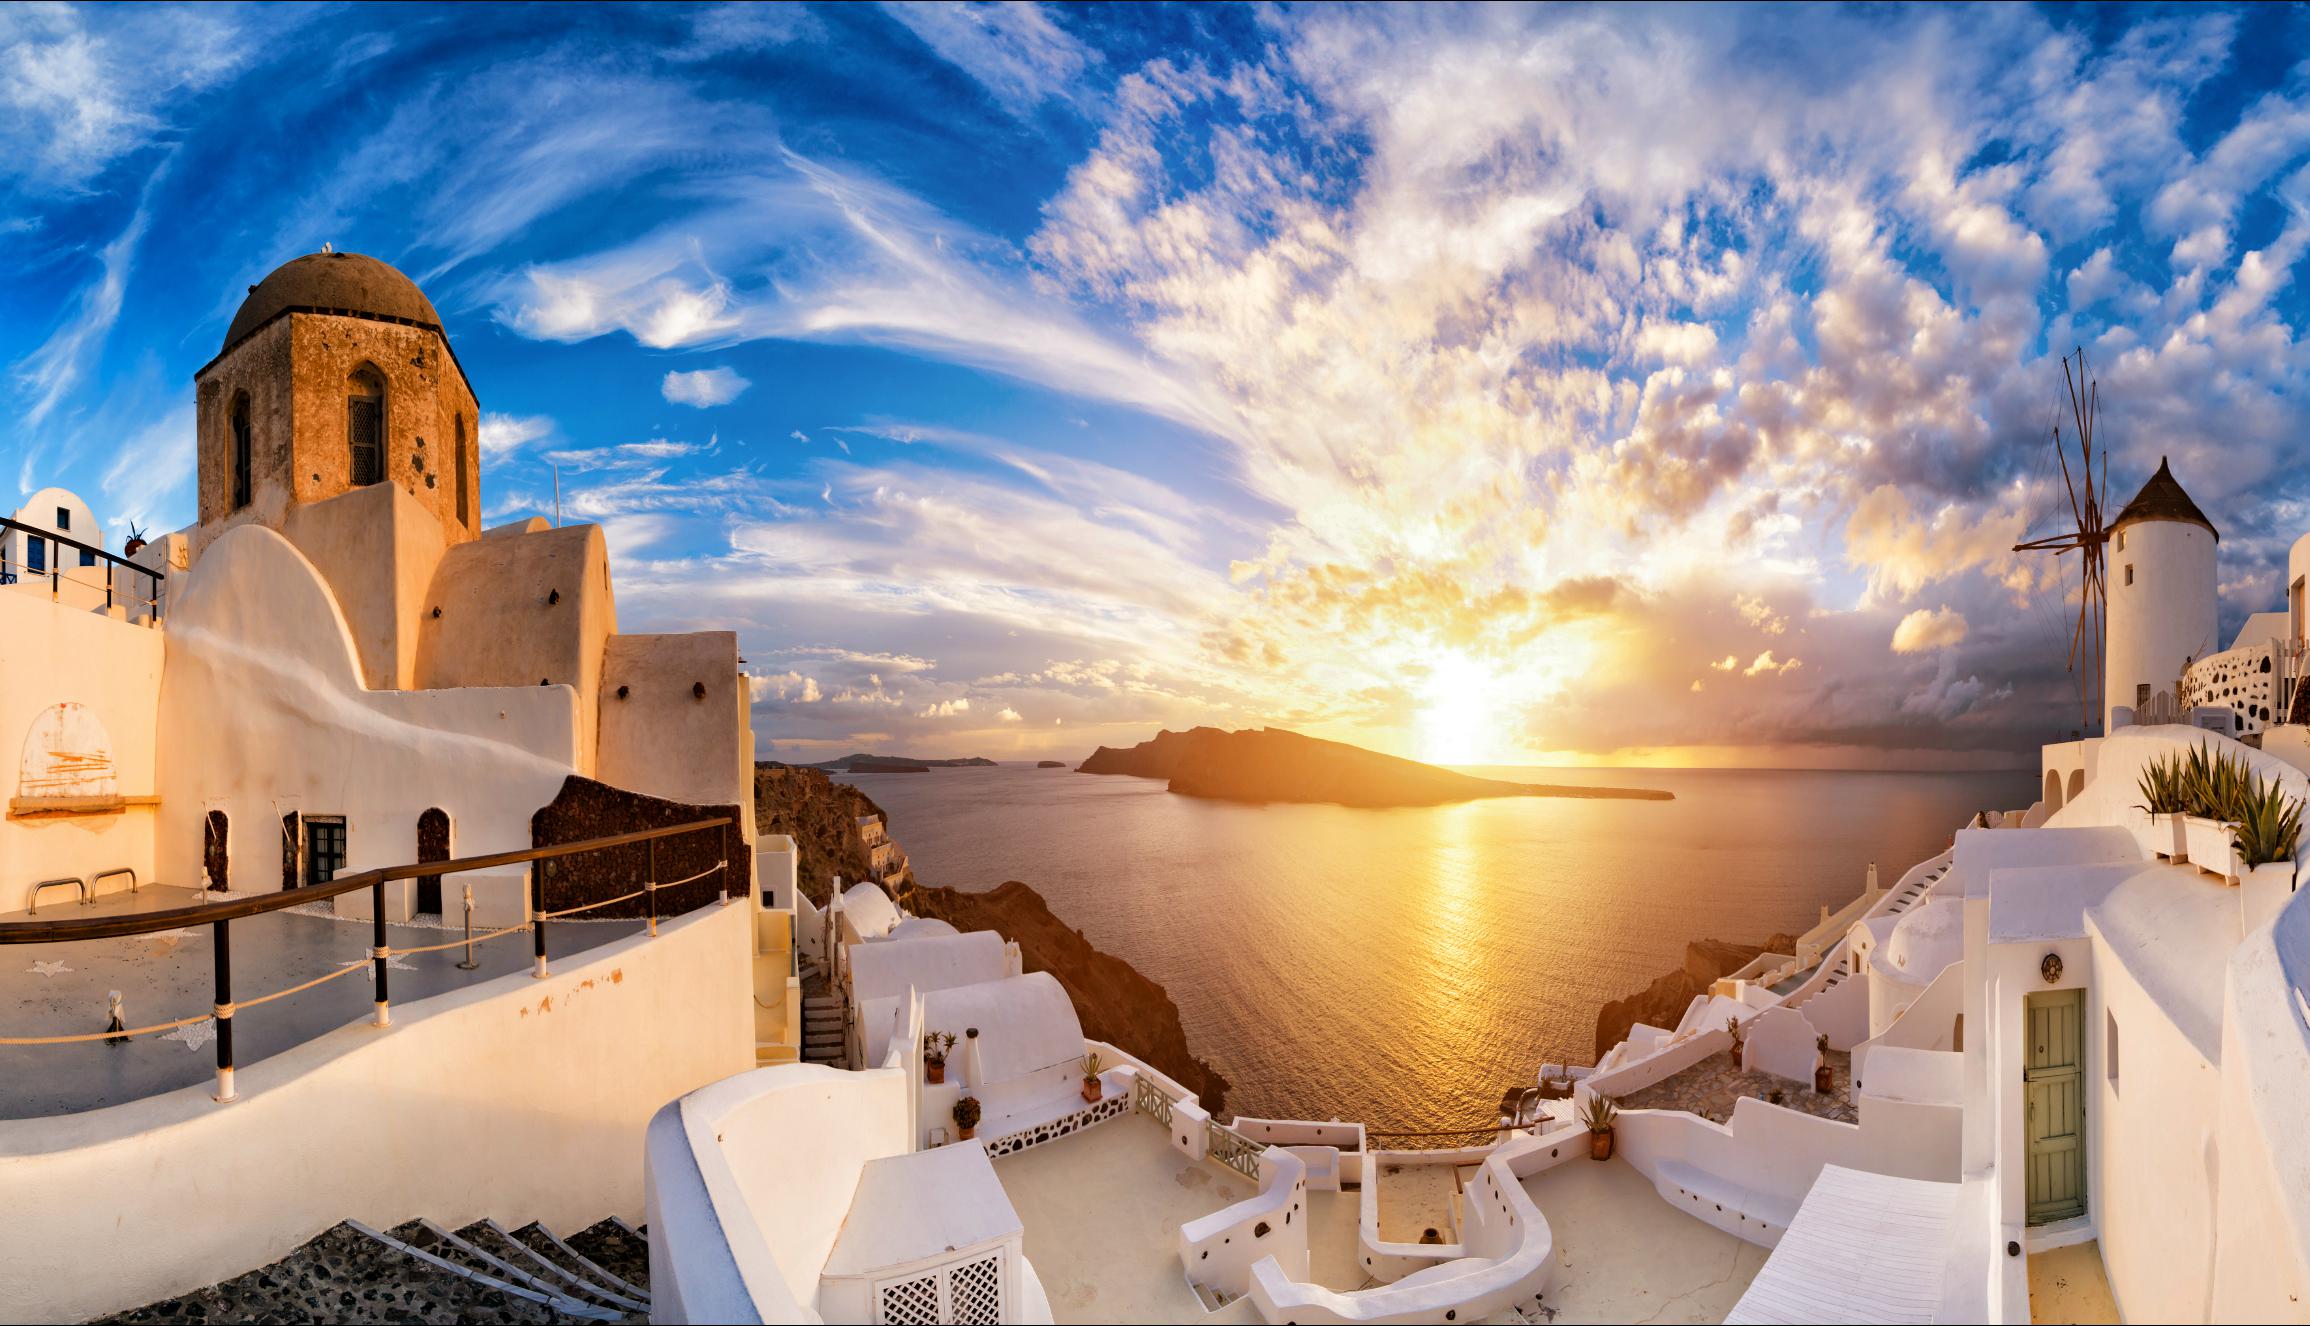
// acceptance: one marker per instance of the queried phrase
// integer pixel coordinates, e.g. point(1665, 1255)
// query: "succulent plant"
point(2268, 824)
point(1599, 1113)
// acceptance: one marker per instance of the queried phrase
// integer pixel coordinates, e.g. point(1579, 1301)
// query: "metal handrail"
point(55, 570)
point(51, 883)
point(219, 916)
point(144, 923)
point(96, 880)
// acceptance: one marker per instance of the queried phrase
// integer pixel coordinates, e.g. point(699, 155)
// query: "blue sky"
point(1478, 383)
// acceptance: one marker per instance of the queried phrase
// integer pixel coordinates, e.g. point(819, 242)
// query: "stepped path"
point(420, 1272)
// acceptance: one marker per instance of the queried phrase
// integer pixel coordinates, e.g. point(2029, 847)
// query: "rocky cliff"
point(1271, 764)
point(821, 816)
point(1115, 1003)
point(1662, 1003)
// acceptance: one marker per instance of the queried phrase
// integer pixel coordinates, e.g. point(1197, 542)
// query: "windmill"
point(2088, 537)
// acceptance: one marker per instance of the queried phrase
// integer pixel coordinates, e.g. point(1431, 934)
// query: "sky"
point(1488, 385)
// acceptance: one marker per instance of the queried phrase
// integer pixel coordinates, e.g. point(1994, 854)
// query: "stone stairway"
point(420, 1272)
point(823, 1041)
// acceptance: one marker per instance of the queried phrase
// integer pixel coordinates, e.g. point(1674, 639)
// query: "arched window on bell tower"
point(243, 479)
point(365, 424)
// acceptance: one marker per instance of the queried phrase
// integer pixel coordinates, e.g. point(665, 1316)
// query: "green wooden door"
point(2054, 1077)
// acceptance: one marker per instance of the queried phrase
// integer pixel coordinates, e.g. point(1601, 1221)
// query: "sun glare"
point(1460, 721)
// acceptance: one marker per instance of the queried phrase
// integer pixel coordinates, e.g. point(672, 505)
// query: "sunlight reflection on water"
point(1403, 966)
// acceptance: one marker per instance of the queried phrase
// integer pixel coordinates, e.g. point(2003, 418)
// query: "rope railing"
point(220, 915)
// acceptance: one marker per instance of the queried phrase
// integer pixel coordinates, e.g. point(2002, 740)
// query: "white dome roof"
point(1927, 940)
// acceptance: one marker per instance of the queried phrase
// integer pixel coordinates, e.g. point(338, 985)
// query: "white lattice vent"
point(960, 1293)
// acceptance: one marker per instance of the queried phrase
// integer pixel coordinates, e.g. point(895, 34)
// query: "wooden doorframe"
point(2053, 1085)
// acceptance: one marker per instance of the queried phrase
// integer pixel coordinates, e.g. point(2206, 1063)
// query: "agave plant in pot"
point(2268, 832)
point(935, 1045)
point(1090, 1079)
point(1733, 1025)
point(966, 1117)
point(1824, 1077)
point(2162, 805)
point(1598, 1116)
point(2213, 788)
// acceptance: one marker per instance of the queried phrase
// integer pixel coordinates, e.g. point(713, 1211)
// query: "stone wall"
point(296, 373)
point(587, 809)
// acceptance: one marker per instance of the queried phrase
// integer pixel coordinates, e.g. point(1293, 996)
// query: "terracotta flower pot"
point(1090, 1091)
point(965, 1134)
point(1824, 1079)
point(936, 1070)
point(1600, 1145)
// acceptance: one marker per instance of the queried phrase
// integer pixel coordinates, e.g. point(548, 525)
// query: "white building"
point(2162, 600)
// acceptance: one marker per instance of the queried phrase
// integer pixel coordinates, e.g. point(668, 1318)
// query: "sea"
point(1403, 967)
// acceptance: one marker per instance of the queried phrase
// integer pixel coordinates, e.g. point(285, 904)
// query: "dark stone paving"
point(1710, 1087)
point(344, 1275)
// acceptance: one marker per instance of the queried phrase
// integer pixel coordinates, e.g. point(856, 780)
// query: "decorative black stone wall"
point(1111, 1107)
point(587, 809)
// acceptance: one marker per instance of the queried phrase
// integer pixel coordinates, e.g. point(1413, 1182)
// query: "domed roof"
point(1928, 939)
point(333, 282)
point(2162, 498)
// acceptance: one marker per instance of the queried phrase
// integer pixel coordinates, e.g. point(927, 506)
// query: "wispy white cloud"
point(504, 434)
point(1013, 49)
point(705, 387)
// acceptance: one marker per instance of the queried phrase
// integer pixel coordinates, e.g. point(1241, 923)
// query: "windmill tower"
point(2087, 536)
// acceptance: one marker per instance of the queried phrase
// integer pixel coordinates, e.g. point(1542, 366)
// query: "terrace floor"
point(2070, 1285)
point(1623, 1254)
point(1102, 1210)
point(1710, 1087)
point(63, 989)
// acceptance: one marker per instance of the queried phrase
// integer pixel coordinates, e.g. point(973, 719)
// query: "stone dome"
point(351, 283)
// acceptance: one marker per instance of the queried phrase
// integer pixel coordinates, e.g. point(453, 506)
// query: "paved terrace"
point(61, 989)
point(1102, 1210)
point(1710, 1087)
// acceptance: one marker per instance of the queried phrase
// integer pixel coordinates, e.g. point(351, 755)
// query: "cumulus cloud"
point(504, 434)
point(1928, 629)
point(704, 387)
point(1765, 664)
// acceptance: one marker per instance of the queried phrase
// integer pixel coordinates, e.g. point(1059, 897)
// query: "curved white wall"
point(518, 1099)
point(2166, 616)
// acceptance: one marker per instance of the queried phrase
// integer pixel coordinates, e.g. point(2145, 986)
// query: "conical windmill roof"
point(2162, 498)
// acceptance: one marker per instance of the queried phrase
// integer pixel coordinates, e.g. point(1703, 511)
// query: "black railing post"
point(537, 915)
point(650, 888)
point(378, 952)
point(225, 1095)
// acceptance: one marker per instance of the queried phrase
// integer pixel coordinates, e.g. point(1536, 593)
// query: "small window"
point(64, 520)
point(365, 426)
point(241, 462)
point(464, 477)
point(324, 848)
point(87, 557)
point(2109, 1053)
point(36, 556)
point(2129, 573)
point(2121, 540)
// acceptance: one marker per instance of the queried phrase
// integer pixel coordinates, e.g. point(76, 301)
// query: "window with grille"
point(464, 477)
point(365, 426)
point(241, 478)
point(324, 848)
point(963, 1293)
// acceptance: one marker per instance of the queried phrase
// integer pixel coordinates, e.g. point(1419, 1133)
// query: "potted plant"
point(1090, 1079)
point(1733, 1025)
point(935, 1045)
point(2215, 788)
point(2162, 806)
point(2267, 834)
point(966, 1117)
point(1824, 1077)
point(1598, 1115)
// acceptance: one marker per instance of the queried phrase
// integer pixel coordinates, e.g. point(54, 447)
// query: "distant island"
point(1050, 764)
point(862, 763)
point(1271, 764)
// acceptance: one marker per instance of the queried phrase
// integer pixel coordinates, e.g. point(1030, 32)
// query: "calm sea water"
point(1402, 967)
